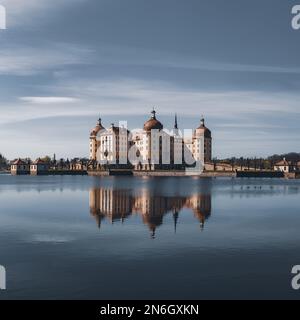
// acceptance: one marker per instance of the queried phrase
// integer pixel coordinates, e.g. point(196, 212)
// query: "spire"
point(202, 121)
point(153, 112)
point(100, 122)
point(176, 124)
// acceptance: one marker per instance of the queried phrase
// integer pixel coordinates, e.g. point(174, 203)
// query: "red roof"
point(18, 162)
point(153, 123)
point(39, 161)
point(98, 128)
point(284, 163)
point(203, 130)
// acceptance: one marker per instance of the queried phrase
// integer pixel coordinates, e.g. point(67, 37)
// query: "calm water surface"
point(139, 238)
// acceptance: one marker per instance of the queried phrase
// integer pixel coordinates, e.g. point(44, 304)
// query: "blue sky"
point(65, 63)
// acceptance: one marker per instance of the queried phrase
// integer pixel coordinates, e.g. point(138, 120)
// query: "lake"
point(81, 237)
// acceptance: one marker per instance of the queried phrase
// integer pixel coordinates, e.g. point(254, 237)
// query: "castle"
point(150, 148)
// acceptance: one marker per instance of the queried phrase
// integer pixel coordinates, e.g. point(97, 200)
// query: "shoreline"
point(207, 174)
point(157, 173)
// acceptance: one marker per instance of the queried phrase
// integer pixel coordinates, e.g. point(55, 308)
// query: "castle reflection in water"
point(118, 204)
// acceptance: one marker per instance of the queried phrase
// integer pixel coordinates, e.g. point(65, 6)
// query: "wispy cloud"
point(49, 100)
point(127, 98)
point(22, 12)
point(29, 11)
point(136, 56)
point(22, 60)
point(132, 96)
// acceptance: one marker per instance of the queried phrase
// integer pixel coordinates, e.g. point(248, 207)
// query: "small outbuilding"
point(285, 166)
point(19, 167)
point(39, 167)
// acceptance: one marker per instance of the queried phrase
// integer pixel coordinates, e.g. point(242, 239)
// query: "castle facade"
point(151, 148)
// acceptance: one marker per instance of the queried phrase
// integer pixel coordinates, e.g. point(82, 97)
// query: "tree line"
point(3, 162)
point(255, 163)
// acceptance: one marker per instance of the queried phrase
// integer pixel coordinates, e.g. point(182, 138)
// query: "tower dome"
point(98, 128)
point(153, 123)
point(203, 130)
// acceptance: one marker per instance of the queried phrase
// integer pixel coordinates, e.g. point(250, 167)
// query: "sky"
point(65, 63)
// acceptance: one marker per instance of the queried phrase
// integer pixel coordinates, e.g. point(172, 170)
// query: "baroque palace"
point(150, 148)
